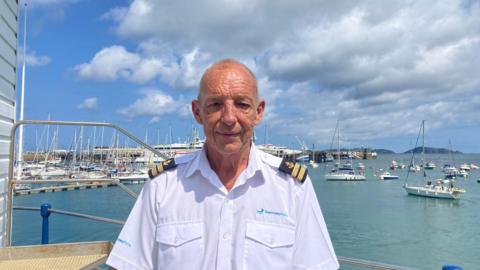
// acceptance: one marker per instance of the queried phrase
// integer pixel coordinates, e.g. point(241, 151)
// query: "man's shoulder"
point(170, 164)
point(294, 169)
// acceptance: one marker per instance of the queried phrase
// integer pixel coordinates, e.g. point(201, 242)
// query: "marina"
point(65, 193)
point(372, 220)
point(341, 202)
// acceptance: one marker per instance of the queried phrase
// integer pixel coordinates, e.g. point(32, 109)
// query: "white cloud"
point(380, 67)
point(89, 104)
point(155, 104)
point(32, 59)
point(109, 64)
point(116, 62)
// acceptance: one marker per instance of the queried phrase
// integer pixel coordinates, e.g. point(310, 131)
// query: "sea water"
point(372, 220)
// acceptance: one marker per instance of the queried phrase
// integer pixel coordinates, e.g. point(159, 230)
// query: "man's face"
point(228, 108)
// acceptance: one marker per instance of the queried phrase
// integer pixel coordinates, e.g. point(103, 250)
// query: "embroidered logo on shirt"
point(267, 212)
point(124, 242)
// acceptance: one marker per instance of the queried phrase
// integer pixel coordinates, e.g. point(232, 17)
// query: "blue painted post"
point(451, 267)
point(45, 213)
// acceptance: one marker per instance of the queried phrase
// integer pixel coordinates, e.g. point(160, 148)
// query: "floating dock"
point(76, 186)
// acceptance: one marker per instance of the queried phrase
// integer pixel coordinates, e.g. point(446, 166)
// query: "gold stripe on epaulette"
point(295, 170)
point(159, 168)
point(301, 173)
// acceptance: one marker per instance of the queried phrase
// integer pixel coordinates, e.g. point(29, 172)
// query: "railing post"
point(44, 211)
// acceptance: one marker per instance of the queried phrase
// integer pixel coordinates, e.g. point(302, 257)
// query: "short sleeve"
point(313, 247)
point(134, 247)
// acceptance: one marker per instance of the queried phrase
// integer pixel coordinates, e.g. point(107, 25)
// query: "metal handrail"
point(370, 264)
point(12, 182)
point(72, 214)
point(342, 260)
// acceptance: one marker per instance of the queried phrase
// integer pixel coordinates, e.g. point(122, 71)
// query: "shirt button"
point(226, 236)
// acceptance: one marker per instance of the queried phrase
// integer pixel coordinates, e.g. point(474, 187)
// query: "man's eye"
point(243, 105)
point(214, 105)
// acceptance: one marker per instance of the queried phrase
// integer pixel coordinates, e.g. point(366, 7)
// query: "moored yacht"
point(441, 188)
point(344, 172)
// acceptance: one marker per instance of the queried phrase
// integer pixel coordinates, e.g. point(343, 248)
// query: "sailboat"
point(439, 188)
point(345, 171)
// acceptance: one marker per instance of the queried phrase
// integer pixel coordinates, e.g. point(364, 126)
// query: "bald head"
point(227, 69)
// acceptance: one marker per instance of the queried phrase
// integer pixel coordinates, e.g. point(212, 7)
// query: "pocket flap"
point(269, 234)
point(175, 234)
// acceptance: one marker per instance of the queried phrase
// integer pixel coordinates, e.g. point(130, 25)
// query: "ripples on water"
point(377, 220)
point(373, 220)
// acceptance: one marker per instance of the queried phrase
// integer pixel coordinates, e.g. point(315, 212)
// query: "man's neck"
point(228, 166)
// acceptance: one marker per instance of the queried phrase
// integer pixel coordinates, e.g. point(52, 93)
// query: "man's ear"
point(260, 111)
point(196, 111)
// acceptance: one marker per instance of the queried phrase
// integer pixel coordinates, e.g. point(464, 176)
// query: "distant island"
point(416, 150)
point(431, 150)
point(383, 151)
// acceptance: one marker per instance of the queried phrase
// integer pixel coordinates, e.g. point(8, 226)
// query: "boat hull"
point(344, 177)
point(389, 177)
point(432, 193)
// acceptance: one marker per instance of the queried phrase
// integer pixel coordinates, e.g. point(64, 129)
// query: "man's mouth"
point(228, 133)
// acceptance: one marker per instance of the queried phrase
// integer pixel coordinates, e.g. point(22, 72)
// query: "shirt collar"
point(254, 162)
point(200, 163)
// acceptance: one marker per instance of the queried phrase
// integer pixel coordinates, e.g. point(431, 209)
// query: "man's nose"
point(229, 114)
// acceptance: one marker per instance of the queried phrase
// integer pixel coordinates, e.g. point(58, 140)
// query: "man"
point(228, 206)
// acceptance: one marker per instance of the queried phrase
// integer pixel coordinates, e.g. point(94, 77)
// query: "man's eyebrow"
point(213, 98)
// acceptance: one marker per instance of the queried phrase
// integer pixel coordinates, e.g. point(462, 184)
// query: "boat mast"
point(338, 144)
point(101, 144)
point(423, 149)
point(22, 97)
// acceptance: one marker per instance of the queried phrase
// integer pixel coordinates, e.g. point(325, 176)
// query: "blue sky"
point(379, 67)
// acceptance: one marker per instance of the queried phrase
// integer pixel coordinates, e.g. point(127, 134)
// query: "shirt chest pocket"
point(268, 246)
point(180, 245)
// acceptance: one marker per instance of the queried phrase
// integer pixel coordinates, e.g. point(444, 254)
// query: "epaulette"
point(159, 168)
point(297, 171)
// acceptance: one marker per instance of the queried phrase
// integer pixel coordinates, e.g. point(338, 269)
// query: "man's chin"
point(230, 149)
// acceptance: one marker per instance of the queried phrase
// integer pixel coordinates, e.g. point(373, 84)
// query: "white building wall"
point(8, 75)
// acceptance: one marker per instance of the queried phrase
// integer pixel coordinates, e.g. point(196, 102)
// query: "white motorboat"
point(137, 177)
point(393, 165)
point(19, 187)
point(361, 166)
point(387, 176)
point(462, 173)
point(465, 167)
point(414, 168)
point(313, 164)
point(473, 166)
point(430, 165)
point(449, 169)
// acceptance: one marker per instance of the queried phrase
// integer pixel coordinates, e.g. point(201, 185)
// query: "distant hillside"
point(383, 151)
point(432, 150)
point(378, 151)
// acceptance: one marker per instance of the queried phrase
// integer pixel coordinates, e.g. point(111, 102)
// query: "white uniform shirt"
point(186, 219)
